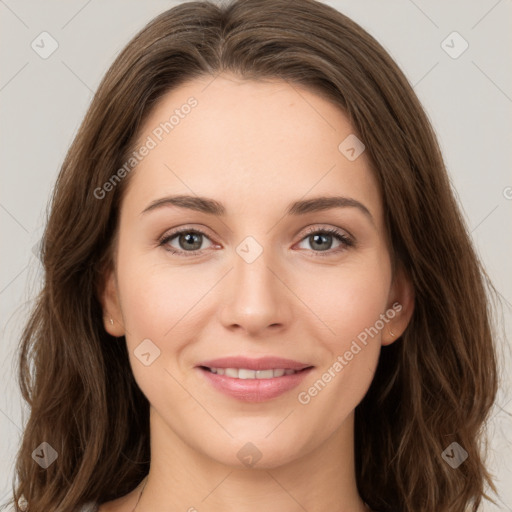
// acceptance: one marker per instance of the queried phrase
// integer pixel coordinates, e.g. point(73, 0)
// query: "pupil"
point(321, 237)
point(189, 238)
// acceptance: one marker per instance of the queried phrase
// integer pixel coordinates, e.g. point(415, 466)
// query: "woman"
point(259, 291)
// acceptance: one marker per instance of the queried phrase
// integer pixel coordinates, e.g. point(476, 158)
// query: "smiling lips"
point(244, 373)
point(254, 380)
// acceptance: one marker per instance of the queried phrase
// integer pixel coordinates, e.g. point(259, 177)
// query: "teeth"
point(243, 373)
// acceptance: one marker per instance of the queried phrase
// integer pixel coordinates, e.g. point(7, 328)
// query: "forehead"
point(269, 142)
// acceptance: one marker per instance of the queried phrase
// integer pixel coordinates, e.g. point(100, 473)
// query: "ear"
point(109, 297)
point(400, 307)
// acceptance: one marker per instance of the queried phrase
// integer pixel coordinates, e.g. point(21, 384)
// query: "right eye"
point(186, 239)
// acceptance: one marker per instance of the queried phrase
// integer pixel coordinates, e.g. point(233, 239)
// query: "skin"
point(254, 146)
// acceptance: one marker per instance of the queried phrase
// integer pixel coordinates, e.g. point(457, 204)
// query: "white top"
point(91, 506)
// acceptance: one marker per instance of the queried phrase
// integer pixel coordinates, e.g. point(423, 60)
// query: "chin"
point(256, 452)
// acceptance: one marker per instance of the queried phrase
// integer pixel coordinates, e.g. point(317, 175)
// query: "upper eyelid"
point(314, 229)
point(178, 231)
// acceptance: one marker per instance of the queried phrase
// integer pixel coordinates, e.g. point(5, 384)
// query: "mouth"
point(253, 380)
point(246, 373)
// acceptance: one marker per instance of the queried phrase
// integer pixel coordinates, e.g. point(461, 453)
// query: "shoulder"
point(91, 506)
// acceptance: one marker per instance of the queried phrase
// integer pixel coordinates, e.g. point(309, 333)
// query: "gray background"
point(42, 101)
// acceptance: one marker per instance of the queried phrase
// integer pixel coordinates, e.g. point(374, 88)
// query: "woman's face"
point(254, 274)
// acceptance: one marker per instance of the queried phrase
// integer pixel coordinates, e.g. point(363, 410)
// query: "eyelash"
point(346, 241)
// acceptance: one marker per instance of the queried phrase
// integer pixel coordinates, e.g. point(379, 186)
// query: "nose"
point(255, 298)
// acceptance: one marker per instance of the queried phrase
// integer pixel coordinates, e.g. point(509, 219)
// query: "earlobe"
point(112, 317)
point(400, 307)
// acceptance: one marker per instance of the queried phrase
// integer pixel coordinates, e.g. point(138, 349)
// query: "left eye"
point(322, 240)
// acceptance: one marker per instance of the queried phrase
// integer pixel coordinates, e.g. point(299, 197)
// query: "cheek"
point(350, 304)
point(160, 304)
point(349, 299)
point(156, 297)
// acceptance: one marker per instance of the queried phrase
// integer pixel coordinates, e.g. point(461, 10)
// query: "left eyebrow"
point(303, 207)
point(317, 204)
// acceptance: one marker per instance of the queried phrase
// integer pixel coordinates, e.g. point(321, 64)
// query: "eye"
point(321, 241)
point(189, 241)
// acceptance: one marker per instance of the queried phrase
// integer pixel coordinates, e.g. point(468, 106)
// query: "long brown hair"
point(434, 386)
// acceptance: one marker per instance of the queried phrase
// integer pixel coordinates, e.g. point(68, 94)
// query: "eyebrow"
point(301, 207)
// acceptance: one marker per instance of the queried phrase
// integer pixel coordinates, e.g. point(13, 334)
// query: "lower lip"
point(254, 390)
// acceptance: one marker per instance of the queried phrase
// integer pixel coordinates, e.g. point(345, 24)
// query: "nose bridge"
point(256, 298)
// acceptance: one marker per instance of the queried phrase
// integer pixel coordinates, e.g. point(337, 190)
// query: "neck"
point(183, 479)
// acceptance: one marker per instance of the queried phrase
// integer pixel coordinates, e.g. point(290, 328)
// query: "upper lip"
point(263, 363)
